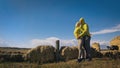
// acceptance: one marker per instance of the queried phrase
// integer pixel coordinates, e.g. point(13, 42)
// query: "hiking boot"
point(80, 60)
point(89, 59)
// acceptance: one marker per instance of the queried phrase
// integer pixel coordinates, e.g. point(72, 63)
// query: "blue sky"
point(24, 20)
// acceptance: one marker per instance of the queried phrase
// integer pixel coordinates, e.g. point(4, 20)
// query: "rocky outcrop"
point(115, 41)
point(96, 46)
point(40, 54)
point(68, 53)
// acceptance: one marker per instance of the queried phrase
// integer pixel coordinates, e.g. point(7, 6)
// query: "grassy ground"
point(95, 63)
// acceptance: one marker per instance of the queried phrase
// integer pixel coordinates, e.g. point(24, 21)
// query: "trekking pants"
point(84, 47)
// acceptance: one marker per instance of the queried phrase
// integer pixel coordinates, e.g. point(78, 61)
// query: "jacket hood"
point(82, 20)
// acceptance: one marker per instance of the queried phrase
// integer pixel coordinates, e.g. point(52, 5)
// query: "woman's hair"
point(77, 23)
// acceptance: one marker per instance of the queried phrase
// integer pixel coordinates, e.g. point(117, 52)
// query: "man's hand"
point(78, 37)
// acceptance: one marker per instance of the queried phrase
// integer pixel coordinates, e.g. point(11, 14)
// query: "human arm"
point(84, 30)
point(76, 33)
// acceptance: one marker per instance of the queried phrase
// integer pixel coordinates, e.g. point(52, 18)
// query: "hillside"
point(13, 50)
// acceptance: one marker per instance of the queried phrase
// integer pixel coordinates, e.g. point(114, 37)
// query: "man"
point(82, 34)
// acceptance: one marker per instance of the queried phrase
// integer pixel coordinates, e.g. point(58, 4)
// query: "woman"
point(77, 32)
point(82, 34)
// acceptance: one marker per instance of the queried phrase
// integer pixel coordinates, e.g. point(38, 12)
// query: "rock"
point(96, 46)
point(40, 54)
point(115, 41)
point(69, 53)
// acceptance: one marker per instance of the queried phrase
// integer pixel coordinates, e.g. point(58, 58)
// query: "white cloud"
point(48, 41)
point(3, 43)
point(7, 43)
point(70, 42)
point(105, 31)
point(103, 43)
point(36, 42)
point(51, 41)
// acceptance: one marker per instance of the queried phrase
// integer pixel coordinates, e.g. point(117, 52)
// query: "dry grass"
point(13, 54)
point(95, 63)
point(13, 50)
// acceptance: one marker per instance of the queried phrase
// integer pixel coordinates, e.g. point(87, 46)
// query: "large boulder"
point(40, 54)
point(68, 53)
point(115, 42)
point(96, 46)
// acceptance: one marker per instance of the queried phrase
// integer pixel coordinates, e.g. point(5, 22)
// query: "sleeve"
point(85, 28)
point(76, 33)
